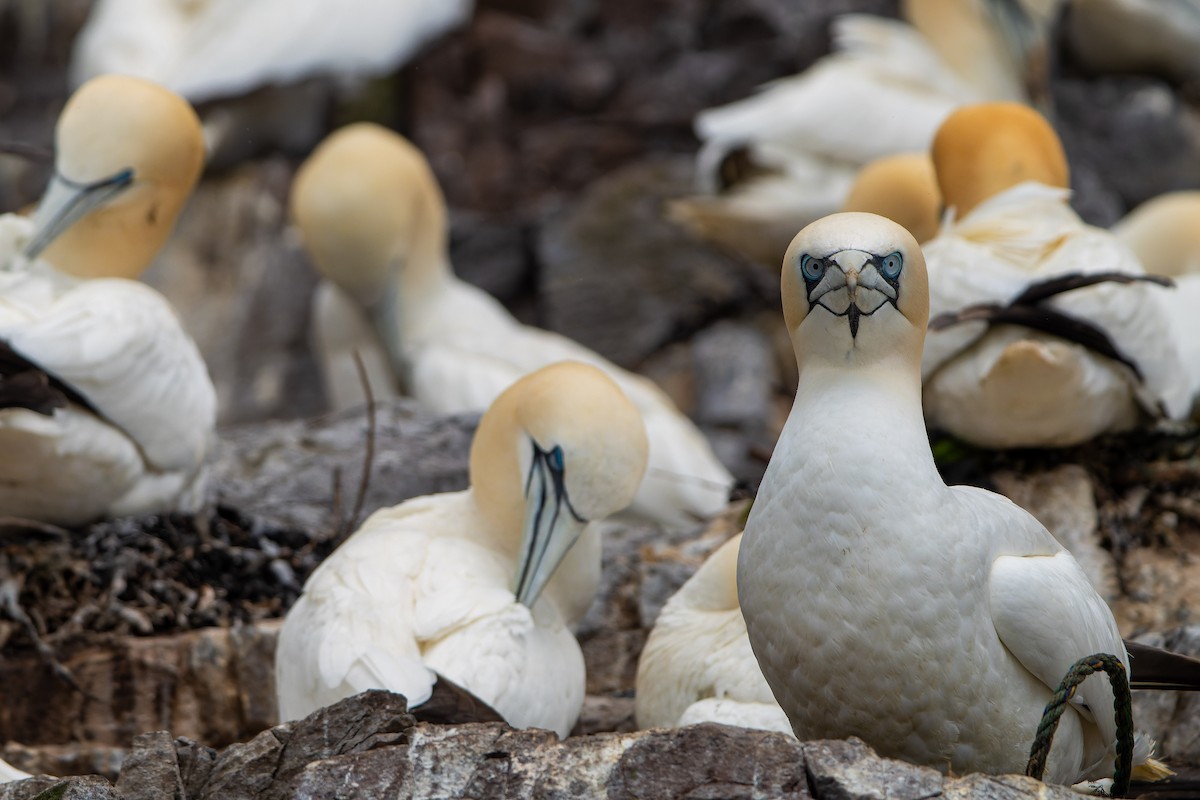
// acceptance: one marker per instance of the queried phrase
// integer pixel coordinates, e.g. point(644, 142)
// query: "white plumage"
point(1013, 387)
point(931, 621)
point(205, 49)
point(884, 90)
point(451, 582)
point(134, 436)
point(373, 220)
point(697, 665)
point(10, 773)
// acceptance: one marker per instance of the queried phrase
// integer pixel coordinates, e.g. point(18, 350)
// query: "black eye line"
point(122, 178)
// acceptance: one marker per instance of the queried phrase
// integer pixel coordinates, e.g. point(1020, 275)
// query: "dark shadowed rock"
point(151, 771)
point(306, 474)
point(849, 770)
point(623, 280)
point(710, 761)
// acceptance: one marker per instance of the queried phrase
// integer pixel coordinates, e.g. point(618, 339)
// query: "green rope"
point(1122, 704)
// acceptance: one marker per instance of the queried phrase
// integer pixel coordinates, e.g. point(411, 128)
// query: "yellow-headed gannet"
point(374, 221)
point(805, 136)
point(697, 665)
point(106, 406)
point(205, 49)
point(1164, 233)
point(1034, 359)
point(453, 583)
point(902, 188)
point(931, 621)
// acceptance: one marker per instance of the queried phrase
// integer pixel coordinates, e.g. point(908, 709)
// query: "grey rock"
point(195, 763)
point(84, 787)
point(1172, 718)
point(1063, 499)
point(374, 774)
point(1001, 787)
point(306, 474)
point(489, 254)
point(618, 277)
point(849, 770)
point(151, 771)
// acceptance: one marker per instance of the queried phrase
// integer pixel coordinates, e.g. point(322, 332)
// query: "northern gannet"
point(931, 621)
point(697, 665)
point(805, 135)
point(1164, 233)
point(374, 222)
point(10, 773)
point(1081, 361)
point(902, 188)
point(107, 406)
point(206, 49)
point(453, 583)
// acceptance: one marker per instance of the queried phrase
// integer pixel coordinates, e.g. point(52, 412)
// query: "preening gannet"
point(1164, 233)
point(205, 49)
point(1043, 364)
point(931, 621)
point(107, 408)
point(374, 222)
point(697, 665)
point(453, 583)
point(807, 135)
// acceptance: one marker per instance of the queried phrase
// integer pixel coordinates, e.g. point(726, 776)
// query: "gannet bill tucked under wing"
point(1002, 171)
point(131, 422)
point(697, 665)
point(931, 621)
point(481, 585)
point(374, 222)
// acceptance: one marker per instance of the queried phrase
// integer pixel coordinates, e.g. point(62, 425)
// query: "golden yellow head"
point(559, 448)
point(901, 187)
point(128, 154)
point(369, 209)
point(983, 149)
point(855, 290)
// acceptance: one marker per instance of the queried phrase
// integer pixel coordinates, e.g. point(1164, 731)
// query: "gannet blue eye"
point(555, 459)
point(812, 268)
point(891, 265)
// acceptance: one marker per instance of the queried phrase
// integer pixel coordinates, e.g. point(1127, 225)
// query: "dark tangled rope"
point(1122, 704)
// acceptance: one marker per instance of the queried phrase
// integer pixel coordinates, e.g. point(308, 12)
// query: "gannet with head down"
point(1041, 363)
point(902, 188)
point(931, 621)
point(480, 585)
point(106, 407)
point(697, 665)
point(374, 222)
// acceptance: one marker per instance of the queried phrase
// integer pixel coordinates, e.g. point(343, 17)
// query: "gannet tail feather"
point(1155, 668)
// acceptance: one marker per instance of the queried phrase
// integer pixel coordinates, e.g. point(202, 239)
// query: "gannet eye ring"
point(812, 268)
point(555, 459)
point(891, 265)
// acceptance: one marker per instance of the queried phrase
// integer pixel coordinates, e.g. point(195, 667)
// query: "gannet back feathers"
point(931, 621)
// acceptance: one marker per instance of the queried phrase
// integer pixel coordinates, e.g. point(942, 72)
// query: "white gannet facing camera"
point(934, 622)
point(482, 585)
point(107, 407)
point(374, 222)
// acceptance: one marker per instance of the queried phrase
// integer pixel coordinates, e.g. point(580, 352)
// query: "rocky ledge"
point(369, 746)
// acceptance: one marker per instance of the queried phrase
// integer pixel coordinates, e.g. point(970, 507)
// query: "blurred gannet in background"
point(10, 773)
point(884, 90)
point(1041, 362)
point(106, 407)
point(697, 665)
point(1136, 36)
point(902, 188)
point(453, 583)
point(1164, 233)
point(374, 222)
point(213, 49)
point(931, 621)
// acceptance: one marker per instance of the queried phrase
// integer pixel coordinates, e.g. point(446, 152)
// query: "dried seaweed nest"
point(146, 576)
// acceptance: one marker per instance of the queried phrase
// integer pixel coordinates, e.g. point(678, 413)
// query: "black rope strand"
point(1122, 704)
